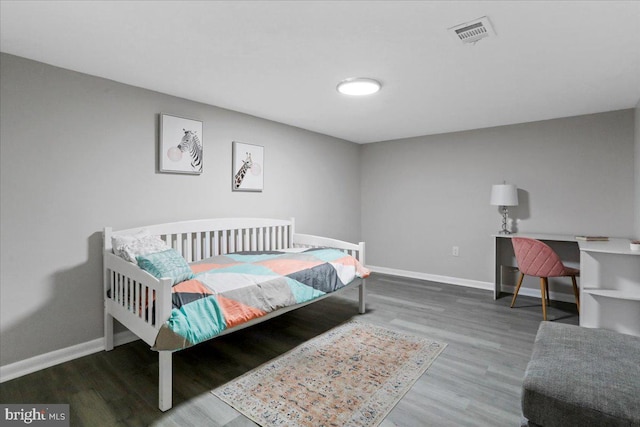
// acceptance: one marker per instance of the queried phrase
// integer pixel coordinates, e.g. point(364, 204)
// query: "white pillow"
point(141, 243)
point(118, 242)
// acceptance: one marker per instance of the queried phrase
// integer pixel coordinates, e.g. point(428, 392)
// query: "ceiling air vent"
point(471, 32)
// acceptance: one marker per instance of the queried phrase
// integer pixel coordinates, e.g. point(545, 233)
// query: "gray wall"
point(637, 157)
point(79, 153)
point(421, 196)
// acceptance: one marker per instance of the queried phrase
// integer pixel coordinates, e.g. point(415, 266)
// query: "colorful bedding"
point(235, 288)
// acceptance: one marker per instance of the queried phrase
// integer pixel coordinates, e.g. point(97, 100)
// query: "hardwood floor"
point(474, 382)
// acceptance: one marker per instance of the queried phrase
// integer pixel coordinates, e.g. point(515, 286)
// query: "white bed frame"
point(129, 290)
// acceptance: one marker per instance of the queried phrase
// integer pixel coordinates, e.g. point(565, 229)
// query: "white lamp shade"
point(504, 195)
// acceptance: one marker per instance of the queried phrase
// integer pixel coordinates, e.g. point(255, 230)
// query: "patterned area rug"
point(352, 375)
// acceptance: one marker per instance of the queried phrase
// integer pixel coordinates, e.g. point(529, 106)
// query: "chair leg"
point(546, 289)
point(543, 287)
point(515, 294)
point(575, 292)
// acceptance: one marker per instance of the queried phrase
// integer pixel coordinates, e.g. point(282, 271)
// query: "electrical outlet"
point(455, 251)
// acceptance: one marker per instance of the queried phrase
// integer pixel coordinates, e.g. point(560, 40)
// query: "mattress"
point(232, 289)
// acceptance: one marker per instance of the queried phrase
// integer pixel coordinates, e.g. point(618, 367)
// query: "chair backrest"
point(536, 258)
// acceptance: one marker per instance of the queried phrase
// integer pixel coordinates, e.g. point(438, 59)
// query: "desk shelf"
point(610, 286)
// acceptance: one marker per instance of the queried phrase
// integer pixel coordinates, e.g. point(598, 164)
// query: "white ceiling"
point(282, 60)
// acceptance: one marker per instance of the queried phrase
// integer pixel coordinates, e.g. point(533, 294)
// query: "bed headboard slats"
point(200, 239)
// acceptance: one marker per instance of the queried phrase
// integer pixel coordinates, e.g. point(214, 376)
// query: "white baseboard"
point(42, 361)
point(433, 277)
point(535, 293)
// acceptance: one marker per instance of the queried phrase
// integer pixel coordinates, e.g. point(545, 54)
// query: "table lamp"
point(504, 195)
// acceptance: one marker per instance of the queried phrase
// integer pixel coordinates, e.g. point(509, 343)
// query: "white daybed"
point(129, 291)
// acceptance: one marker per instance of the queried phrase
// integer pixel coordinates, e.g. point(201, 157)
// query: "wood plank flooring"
point(474, 382)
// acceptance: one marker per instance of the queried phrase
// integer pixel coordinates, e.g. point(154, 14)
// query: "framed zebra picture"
point(180, 146)
point(247, 167)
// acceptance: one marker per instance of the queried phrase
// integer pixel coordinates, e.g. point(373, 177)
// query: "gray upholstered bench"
point(582, 377)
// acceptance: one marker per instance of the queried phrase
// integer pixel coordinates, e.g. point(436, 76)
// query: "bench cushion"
point(582, 376)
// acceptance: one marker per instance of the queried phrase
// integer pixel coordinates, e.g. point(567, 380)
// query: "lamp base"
point(505, 212)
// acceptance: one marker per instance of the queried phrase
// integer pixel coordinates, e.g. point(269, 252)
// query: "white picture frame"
point(247, 171)
point(180, 146)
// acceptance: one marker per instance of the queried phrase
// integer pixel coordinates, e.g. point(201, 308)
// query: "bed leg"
point(362, 297)
point(164, 380)
point(108, 331)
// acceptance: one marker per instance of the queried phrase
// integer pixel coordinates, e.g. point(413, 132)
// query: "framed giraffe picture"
point(247, 167)
point(180, 145)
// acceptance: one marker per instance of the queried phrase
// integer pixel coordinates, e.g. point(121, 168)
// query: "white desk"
point(609, 280)
point(502, 240)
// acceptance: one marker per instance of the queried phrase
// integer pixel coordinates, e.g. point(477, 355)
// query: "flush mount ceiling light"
point(359, 86)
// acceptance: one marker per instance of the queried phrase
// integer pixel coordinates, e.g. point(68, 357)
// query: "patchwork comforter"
point(235, 288)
